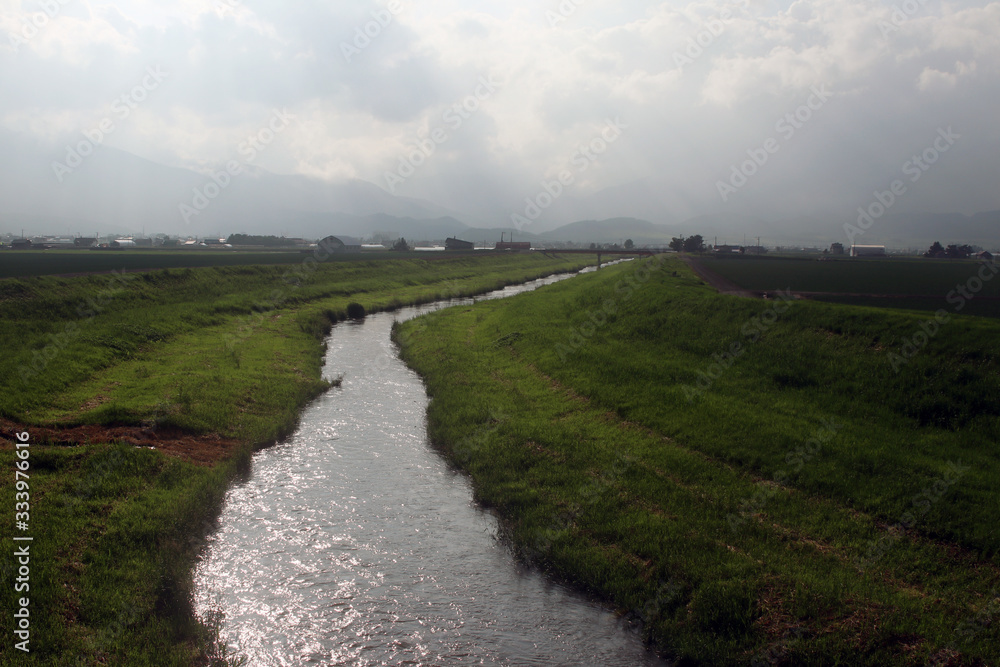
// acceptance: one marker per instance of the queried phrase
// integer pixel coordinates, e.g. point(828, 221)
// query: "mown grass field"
point(756, 482)
point(229, 351)
point(927, 282)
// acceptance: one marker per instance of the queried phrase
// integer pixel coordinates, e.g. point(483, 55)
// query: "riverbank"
point(195, 360)
point(752, 481)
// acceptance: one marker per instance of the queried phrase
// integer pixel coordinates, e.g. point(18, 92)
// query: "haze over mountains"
point(768, 118)
point(113, 191)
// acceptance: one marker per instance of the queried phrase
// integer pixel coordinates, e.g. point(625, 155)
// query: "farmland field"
point(754, 482)
point(901, 283)
point(21, 264)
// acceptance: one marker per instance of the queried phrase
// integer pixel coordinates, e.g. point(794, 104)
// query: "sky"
point(500, 109)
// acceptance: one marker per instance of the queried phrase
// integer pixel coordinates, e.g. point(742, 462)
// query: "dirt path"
point(721, 284)
point(196, 448)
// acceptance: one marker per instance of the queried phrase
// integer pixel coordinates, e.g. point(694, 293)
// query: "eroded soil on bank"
point(197, 448)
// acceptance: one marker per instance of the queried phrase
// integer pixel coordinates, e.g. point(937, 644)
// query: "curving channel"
point(354, 543)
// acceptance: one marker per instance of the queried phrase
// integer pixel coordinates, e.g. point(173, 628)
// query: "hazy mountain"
point(115, 191)
point(112, 191)
point(613, 230)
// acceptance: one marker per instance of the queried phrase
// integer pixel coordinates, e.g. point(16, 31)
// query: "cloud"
point(699, 84)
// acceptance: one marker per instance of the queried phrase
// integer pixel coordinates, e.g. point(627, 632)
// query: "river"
point(353, 542)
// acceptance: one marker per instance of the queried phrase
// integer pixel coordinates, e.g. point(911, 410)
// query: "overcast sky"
point(672, 95)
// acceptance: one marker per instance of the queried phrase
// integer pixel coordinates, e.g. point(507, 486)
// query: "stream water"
point(354, 543)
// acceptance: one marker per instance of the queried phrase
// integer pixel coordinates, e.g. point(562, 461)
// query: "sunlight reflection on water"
point(353, 543)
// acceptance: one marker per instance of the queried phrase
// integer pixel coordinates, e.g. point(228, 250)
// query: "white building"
point(867, 251)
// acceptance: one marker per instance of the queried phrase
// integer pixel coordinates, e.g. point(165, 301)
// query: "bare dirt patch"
point(200, 449)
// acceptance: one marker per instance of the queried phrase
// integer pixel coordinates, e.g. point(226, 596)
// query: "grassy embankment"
point(232, 351)
point(844, 280)
point(799, 502)
point(25, 263)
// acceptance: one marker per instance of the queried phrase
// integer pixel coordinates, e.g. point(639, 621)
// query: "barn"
point(867, 251)
point(457, 244)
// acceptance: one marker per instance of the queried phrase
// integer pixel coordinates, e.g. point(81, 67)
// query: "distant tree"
point(837, 248)
point(677, 243)
point(383, 238)
point(593, 246)
point(401, 245)
point(628, 244)
point(936, 250)
point(694, 243)
point(957, 251)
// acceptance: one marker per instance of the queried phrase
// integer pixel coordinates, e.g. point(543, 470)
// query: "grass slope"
point(756, 482)
point(235, 351)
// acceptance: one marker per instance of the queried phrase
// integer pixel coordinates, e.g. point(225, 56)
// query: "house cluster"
point(739, 250)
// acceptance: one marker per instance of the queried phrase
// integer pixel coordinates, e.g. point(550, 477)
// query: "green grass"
point(230, 350)
point(757, 519)
point(115, 528)
point(21, 264)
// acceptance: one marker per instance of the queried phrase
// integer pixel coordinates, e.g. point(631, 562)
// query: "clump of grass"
point(355, 311)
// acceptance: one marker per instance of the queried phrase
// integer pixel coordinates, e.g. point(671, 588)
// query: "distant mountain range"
point(114, 192)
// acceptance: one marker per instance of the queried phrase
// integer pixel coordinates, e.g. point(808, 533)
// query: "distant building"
point(867, 251)
point(143, 243)
point(985, 256)
point(753, 250)
point(21, 244)
point(84, 243)
point(836, 248)
point(725, 249)
point(513, 245)
point(503, 244)
point(123, 243)
point(340, 244)
point(456, 244)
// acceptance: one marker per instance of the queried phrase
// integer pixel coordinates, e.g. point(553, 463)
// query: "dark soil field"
point(900, 283)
